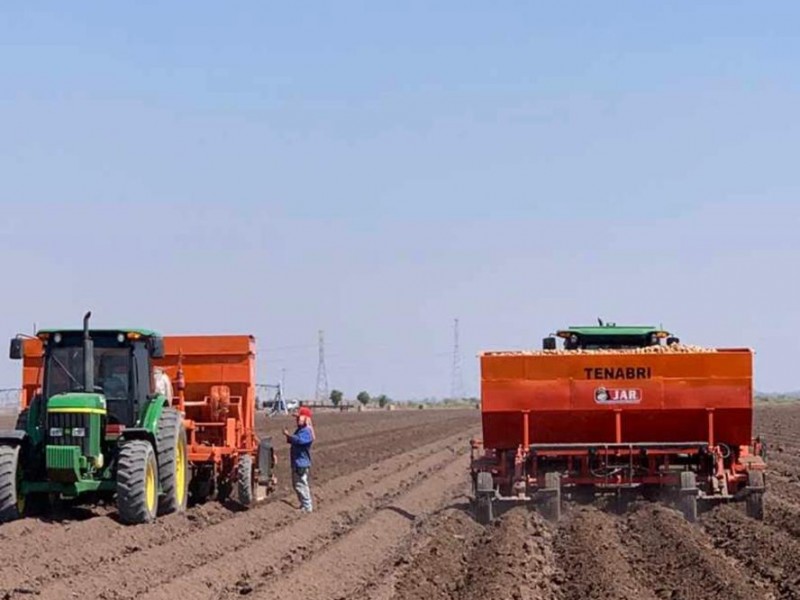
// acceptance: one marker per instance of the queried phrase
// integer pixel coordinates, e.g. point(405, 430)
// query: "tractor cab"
point(609, 336)
point(120, 368)
point(96, 389)
point(109, 366)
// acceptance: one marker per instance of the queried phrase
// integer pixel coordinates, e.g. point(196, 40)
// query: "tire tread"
point(170, 429)
point(131, 474)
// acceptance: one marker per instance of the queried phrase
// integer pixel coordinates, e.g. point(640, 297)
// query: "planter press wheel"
point(484, 496)
point(688, 495)
point(755, 497)
point(551, 507)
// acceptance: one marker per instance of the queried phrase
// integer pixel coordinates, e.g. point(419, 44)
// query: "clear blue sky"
point(376, 169)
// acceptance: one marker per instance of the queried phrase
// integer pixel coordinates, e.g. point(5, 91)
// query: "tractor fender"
point(12, 437)
point(152, 413)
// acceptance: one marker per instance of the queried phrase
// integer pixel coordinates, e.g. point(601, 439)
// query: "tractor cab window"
point(64, 370)
point(112, 371)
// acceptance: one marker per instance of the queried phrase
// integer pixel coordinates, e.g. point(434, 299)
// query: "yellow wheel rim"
point(150, 487)
point(180, 472)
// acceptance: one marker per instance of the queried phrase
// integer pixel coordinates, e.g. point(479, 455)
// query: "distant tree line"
point(363, 397)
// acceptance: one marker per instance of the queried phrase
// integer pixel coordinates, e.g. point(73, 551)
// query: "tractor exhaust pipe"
point(88, 356)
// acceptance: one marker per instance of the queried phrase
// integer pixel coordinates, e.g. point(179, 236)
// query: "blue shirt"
point(301, 441)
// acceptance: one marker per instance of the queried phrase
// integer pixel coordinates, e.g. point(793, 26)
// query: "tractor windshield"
point(112, 368)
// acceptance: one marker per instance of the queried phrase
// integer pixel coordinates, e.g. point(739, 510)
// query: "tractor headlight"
point(57, 338)
point(78, 432)
point(56, 432)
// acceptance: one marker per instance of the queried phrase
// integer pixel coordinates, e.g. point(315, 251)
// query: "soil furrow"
point(591, 554)
point(392, 523)
point(513, 560)
point(770, 552)
point(676, 559)
point(346, 567)
point(433, 563)
point(38, 558)
point(186, 555)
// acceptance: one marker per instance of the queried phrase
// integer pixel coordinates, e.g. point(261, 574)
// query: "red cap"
point(304, 412)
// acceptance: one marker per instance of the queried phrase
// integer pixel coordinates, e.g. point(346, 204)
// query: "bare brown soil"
point(393, 523)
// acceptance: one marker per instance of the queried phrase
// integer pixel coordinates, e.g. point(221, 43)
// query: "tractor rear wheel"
point(137, 482)
point(244, 480)
point(12, 504)
point(36, 407)
point(688, 495)
point(22, 420)
point(173, 464)
point(755, 498)
point(552, 504)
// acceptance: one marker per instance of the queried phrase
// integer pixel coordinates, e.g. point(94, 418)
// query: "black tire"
point(483, 487)
point(266, 462)
point(244, 480)
point(552, 504)
point(137, 477)
point(10, 471)
point(35, 406)
point(201, 486)
point(172, 460)
point(22, 425)
point(755, 497)
point(688, 495)
point(22, 420)
point(223, 491)
point(484, 509)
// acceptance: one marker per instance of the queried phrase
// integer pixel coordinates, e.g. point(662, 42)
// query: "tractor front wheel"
point(12, 503)
point(137, 482)
point(244, 480)
point(173, 463)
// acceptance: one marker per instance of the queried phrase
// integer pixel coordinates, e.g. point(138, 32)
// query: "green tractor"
point(609, 336)
point(96, 429)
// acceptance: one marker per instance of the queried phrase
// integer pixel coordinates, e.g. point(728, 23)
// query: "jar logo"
point(603, 395)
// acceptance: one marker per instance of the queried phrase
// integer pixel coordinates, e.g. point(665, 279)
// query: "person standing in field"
point(300, 456)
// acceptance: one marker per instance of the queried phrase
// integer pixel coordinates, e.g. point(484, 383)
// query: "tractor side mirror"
point(549, 343)
point(156, 347)
point(15, 352)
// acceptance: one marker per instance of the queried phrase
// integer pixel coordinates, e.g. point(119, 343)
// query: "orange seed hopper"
point(617, 398)
point(214, 381)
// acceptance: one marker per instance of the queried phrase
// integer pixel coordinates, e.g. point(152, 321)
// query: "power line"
point(457, 379)
point(285, 348)
point(322, 374)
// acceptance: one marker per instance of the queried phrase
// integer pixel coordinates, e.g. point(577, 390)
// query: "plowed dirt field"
point(392, 523)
